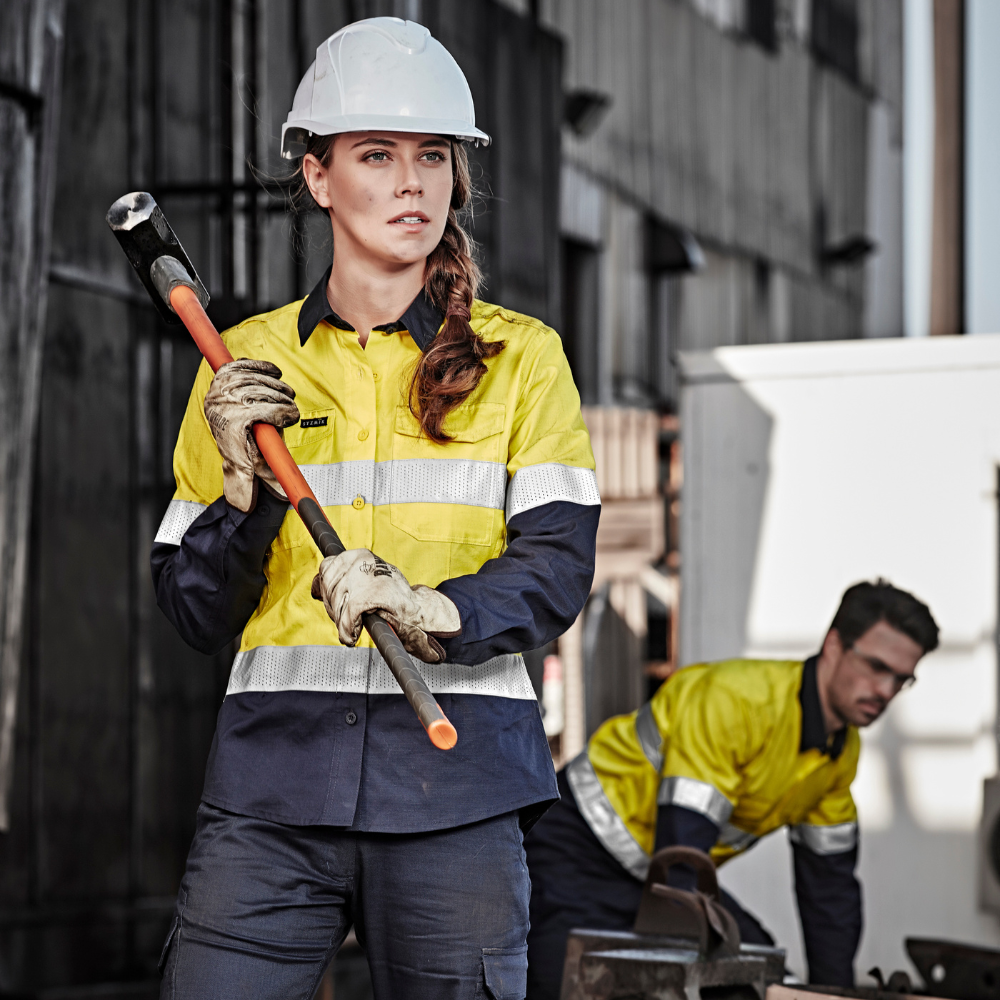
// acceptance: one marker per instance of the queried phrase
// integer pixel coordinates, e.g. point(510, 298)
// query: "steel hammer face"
point(153, 250)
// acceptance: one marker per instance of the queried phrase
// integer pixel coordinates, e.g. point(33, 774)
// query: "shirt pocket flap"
point(311, 440)
point(506, 972)
point(470, 423)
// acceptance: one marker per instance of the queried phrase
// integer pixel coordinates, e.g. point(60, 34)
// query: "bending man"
point(724, 754)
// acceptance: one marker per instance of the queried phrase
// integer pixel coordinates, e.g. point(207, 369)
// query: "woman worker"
point(443, 437)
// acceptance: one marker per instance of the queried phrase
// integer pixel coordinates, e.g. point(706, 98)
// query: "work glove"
point(244, 393)
point(358, 580)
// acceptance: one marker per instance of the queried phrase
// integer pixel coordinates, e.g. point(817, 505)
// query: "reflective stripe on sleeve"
point(340, 668)
point(535, 485)
point(180, 515)
point(607, 825)
point(648, 734)
point(698, 796)
point(737, 839)
point(834, 839)
point(409, 480)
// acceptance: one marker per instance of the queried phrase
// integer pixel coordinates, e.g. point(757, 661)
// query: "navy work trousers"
point(263, 908)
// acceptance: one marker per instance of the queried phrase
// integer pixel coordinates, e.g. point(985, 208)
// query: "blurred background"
point(745, 217)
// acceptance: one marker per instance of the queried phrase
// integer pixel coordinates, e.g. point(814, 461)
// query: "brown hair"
point(455, 362)
point(866, 604)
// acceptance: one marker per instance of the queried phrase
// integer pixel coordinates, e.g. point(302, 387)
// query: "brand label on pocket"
point(313, 422)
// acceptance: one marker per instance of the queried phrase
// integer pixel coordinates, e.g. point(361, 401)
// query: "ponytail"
point(454, 364)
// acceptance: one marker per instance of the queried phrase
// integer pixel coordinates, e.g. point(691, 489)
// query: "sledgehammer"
point(177, 292)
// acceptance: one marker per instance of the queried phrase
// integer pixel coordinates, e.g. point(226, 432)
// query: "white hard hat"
point(382, 74)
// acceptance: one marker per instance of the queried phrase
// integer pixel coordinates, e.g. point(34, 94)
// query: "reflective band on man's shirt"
point(361, 670)
point(180, 515)
point(698, 796)
point(834, 839)
point(608, 826)
point(535, 485)
point(737, 839)
point(648, 734)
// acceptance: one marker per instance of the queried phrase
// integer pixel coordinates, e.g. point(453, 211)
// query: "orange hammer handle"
point(185, 303)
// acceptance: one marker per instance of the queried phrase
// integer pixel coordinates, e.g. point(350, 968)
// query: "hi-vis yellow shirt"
point(721, 739)
point(435, 511)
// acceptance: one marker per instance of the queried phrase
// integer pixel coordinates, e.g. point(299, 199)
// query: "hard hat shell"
point(382, 74)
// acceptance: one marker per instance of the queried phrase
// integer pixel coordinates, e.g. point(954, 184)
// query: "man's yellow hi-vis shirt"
point(724, 740)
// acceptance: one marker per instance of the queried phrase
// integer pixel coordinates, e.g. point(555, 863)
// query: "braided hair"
point(455, 363)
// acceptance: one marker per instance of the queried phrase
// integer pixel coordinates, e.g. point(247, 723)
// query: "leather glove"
point(358, 580)
point(244, 393)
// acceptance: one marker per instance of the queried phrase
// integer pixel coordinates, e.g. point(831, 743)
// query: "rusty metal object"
point(696, 916)
point(956, 971)
point(685, 946)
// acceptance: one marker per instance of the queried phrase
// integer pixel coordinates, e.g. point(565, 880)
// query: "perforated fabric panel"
point(441, 480)
point(409, 480)
point(535, 485)
point(338, 668)
point(180, 515)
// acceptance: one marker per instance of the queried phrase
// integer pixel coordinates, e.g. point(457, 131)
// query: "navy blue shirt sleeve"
point(677, 826)
point(534, 591)
point(210, 584)
point(829, 897)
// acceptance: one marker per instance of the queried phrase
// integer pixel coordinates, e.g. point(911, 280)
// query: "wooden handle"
point(442, 733)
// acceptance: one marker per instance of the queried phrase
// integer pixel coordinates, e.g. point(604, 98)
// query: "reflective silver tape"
point(825, 839)
point(737, 839)
point(180, 515)
point(409, 480)
point(340, 668)
point(698, 796)
point(608, 826)
point(648, 734)
point(535, 485)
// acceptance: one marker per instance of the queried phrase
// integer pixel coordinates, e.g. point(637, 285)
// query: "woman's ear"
point(317, 178)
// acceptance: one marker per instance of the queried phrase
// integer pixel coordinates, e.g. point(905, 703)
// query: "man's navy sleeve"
point(210, 584)
point(677, 826)
point(829, 897)
point(534, 591)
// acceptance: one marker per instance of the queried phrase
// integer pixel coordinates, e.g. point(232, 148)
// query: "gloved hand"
point(243, 393)
point(357, 581)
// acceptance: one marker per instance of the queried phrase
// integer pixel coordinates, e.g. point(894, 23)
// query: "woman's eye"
point(377, 156)
point(434, 156)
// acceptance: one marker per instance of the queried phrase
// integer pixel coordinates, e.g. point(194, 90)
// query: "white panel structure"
point(809, 467)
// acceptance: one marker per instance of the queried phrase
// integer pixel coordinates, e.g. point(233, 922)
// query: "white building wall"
point(807, 468)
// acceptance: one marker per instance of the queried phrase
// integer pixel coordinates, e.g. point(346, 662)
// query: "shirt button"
point(263, 510)
point(376, 376)
point(362, 435)
point(358, 503)
point(350, 718)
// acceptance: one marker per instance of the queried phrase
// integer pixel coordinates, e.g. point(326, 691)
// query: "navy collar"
point(422, 319)
point(814, 735)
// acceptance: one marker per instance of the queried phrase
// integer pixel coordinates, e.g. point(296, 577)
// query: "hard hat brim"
point(376, 123)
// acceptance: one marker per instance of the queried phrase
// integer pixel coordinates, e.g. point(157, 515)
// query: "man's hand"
point(358, 581)
point(244, 393)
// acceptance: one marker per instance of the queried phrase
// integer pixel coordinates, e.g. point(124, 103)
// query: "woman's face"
point(387, 194)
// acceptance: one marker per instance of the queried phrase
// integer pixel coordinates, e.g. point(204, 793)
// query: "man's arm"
point(829, 897)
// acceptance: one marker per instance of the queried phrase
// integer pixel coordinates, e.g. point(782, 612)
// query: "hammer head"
point(145, 236)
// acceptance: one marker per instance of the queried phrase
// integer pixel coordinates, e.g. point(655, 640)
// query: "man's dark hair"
point(867, 604)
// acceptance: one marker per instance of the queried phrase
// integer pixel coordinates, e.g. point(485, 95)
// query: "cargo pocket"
point(505, 971)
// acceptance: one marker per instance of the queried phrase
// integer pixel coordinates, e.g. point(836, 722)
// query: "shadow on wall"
point(727, 440)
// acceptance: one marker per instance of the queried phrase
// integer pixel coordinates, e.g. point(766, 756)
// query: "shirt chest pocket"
point(452, 492)
point(311, 440)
